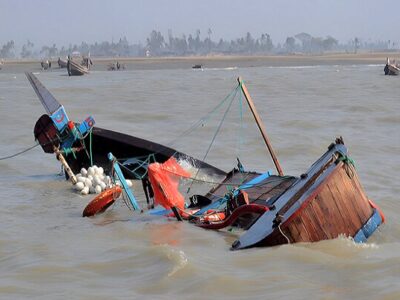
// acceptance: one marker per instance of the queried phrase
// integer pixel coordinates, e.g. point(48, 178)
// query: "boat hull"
point(337, 207)
point(326, 202)
point(75, 69)
point(123, 146)
point(391, 69)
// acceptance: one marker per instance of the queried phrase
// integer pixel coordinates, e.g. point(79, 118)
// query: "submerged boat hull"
point(123, 146)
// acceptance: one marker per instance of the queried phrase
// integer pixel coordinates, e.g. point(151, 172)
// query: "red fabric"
point(164, 179)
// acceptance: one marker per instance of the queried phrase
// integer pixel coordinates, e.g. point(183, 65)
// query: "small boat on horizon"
point(391, 68)
point(62, 63)
point(78, 65)
point(115, 66)
point(45, 64)
point(197, 66)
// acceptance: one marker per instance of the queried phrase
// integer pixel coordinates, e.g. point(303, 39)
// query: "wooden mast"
point(260, 125)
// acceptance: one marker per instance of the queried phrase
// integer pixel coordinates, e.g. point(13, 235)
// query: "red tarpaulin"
point(164, 179)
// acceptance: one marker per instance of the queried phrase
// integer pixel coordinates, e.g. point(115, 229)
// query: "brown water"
point(48, 251)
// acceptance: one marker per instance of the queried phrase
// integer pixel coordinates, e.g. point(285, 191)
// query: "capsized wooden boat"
point(391, 68)
point(84, 145)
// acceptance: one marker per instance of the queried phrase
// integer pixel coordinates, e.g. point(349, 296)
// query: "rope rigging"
point(20, 152)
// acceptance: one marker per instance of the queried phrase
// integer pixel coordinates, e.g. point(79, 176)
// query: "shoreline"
point(240, 61)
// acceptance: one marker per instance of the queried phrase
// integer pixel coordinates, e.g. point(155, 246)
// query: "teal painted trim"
point(244, 186)
point(368, 228)
point(125, 186)
point(255, 181)
point(159, 211)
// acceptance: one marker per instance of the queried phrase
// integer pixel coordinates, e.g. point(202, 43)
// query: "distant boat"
point(45, 64)
point(391, 68)
point(115, 66)
point(62, 63)
point(197, 66)
point(76, 68)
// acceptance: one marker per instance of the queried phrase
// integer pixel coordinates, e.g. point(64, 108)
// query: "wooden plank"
point(356, 201)
point(338, 199)
point(293, 231)
point(342, 210)
point(365, 203)
point(337, 218)
point(310, 225)
point(349, 198)
point(318, 214)
point(311, 214)
point(331, 214)
point(353, 218)
point(348, 215)
point(303, 233)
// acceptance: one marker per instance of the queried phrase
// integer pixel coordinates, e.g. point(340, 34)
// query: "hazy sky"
point(74, 21)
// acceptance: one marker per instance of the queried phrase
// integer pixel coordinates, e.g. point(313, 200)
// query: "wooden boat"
point(198, 66)
point(76, 69)
point(62, 63)
point(115, 66)
point(391, 68)
point(45, 64)
point(84, 145)
point(323, 203)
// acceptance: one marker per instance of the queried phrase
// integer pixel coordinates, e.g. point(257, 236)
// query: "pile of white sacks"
point(94, 181)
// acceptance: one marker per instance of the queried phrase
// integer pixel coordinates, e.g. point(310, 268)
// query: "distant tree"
point(197, 41)
point(265, 43)
point(8, 50)
point(191, 43)
point(53, 51)
point(47, 51)
point(329, 43)
point(27, 49)
point(290, 44)
point(356, 44)
point(305, 40)
point(155, 42)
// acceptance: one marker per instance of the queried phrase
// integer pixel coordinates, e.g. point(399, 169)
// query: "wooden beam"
point(260, 126)
point(67, 169)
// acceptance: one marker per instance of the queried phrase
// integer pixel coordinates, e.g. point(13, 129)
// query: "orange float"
point(103, 201)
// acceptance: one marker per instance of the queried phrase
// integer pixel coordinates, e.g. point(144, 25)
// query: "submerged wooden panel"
point(339, 206)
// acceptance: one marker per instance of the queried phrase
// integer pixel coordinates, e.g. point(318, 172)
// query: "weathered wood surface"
point(338, 207)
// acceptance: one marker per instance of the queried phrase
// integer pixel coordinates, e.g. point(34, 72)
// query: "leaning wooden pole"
point(67, 169)
point(260, 125)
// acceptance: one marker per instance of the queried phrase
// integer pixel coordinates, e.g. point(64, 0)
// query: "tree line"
point(157, 45)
